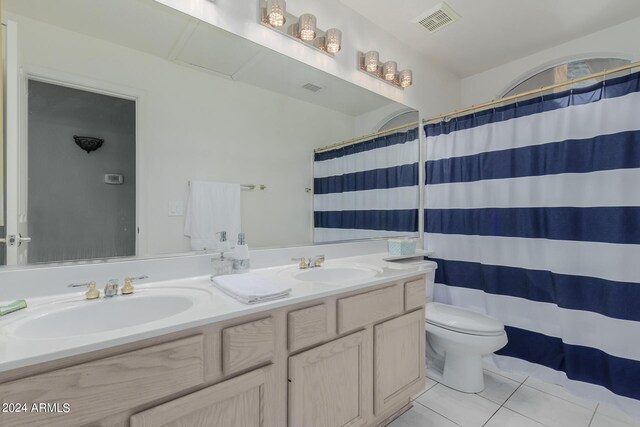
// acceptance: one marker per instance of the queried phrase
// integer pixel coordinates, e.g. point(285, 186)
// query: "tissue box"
point(398, 247)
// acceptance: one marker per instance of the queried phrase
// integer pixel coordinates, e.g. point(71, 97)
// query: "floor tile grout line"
point(593, 415)
point(501, 406)
point(486, 398)
point(561, 398)
point(436, 383)
point(433, 410)
point(504, 376)
point(513, 410)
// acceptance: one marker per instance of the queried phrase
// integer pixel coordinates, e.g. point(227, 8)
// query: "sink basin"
point(337, 273)
point(69, 319)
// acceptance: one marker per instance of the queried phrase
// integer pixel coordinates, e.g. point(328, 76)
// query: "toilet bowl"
point(456, 341)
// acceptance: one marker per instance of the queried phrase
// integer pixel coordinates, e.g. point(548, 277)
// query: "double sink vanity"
point(346, 348)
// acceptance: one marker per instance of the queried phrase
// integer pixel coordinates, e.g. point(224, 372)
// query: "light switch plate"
point(176, 208)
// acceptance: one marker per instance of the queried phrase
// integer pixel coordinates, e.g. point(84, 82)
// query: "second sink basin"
point(337, 273)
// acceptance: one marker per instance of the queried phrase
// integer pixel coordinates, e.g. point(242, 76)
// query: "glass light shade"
point(406, 78)
point(320, 43)
point(334, 40)
point(307, 25)
point(275, 12)
point(371, 59)
point(294, 30)
point(389, 70)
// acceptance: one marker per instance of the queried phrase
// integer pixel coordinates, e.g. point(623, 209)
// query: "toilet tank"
point(429, 283)
point(430, 268)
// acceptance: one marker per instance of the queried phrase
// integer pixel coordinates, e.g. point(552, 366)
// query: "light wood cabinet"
point(399, 356)
point(330, 385)
point(248, 345)
point(352, 359)
point(104, 387)
point(369, 307)
point(308, 326)
point(236, 402)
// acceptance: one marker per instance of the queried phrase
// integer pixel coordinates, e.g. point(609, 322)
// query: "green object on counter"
point(13, 307)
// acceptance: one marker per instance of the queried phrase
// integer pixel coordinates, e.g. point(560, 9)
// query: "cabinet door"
point(330, 385)
point(235, 402)
point(399, 360)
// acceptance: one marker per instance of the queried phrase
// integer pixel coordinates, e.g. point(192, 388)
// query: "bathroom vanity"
point(330, 355)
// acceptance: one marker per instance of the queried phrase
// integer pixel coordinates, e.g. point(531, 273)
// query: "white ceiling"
point(150, 27)
point(494, 32)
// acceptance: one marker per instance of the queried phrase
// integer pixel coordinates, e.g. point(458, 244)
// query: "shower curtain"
point(368, 189)
point(533, 212)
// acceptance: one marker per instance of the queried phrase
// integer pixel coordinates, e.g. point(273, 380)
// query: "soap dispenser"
point(241, 259)
point(221, 266)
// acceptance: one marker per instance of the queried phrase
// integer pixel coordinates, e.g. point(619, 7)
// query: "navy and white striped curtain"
point(533, 212)
point(368, 189)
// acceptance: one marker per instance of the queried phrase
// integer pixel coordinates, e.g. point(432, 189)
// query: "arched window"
point(567, 71)
point(400, 120)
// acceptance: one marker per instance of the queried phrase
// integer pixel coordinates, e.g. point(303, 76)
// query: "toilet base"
point(455, 359)
point(463, 372)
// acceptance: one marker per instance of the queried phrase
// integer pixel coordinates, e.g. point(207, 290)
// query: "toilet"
point(456, 341)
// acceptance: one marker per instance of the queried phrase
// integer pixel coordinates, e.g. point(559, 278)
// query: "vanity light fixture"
point(370, 64)
point(307, 25)
point(303, 29)
point(389, 70)
point(371, 59)
point(276, 10)
point(406, 78)
point(333, 40)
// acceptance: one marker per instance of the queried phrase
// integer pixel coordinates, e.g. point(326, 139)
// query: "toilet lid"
point(462, 320)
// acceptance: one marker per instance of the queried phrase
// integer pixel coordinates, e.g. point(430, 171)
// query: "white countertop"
point(214, 306)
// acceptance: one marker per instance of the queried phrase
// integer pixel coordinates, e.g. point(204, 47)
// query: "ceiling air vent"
point(311, 87)
point(437, 18)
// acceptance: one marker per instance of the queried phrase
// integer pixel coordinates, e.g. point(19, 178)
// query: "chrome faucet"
point(303, 263)
point(111, 288)
point(316, 261)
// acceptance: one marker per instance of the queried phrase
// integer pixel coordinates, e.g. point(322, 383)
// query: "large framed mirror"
point(114, 107)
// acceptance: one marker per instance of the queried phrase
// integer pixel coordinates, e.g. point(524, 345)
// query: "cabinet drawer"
point(247, 345)
point(415, 294)
point(370, 307)
point(236, 402)
point(308, 326)
point(98, 389)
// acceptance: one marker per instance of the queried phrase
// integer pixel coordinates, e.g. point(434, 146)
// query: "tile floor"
point(509, 400)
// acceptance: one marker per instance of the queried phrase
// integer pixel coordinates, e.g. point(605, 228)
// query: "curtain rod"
point(533, 92)
point(362, 138)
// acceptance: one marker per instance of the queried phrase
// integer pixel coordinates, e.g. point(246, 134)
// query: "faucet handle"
point(111, 288)
point(127, 288)
point(92, 292)
point(318, 260)
point(302, 262)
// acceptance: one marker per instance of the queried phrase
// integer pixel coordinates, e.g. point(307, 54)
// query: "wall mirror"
point(114, 107)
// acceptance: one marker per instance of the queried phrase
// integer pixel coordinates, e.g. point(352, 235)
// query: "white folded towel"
point(212, 207)
point(250, 288)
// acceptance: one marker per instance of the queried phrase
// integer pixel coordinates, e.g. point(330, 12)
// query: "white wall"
point(195, 126)
point(435, 90)
point(617, 41)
